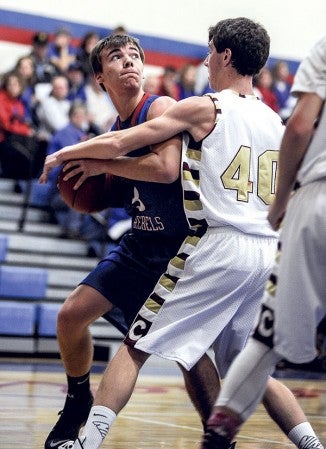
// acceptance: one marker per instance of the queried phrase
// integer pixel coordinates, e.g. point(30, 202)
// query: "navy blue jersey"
point(156, 209)
point(128, 274)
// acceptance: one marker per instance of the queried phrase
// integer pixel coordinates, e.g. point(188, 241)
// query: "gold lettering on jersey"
point(145, 223)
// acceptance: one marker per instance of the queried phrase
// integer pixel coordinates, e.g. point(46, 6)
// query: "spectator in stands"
point(13, 118)
point(77, 130)
point(61, 52)
point(100, 108)
point(202, 85)
point(187, 80)
point(26, 69)
point(77, 82)
point(84, 50)
point(44, 69)
point(282, 82)
point(53, 110)
point(168, 82)
point(152, 84)
point(19, 142)
point(87, 43)
point(263, 88)
point(120, 29)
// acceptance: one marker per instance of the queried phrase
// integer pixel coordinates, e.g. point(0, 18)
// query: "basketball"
point(92, 196)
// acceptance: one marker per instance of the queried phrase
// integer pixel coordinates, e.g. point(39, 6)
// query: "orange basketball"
point(92, 196)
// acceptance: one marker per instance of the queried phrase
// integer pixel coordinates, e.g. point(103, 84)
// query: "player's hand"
point(84, 168)
point(51, 161)
point(275, 215)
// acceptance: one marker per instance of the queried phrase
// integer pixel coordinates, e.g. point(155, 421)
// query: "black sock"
point(78, 386)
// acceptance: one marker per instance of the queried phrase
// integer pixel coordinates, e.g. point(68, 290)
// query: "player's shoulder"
point(160, 105)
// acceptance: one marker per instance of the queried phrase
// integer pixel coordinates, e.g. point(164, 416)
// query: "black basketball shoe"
point(211, 440)
point(72, 418)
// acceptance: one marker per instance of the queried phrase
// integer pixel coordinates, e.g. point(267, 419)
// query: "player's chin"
point(132, 82)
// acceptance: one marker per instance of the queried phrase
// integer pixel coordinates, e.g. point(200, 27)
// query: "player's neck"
point(126, 103)
point(239, 84)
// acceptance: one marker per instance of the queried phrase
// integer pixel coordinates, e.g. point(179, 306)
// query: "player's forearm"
point(105, 146)
point(293, 149)
point(145, 168)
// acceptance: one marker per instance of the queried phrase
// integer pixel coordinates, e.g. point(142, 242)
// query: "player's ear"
point(99, 78)
point(227, 55)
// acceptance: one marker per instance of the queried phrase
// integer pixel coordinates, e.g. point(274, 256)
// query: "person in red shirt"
point(263, 88)
point(19, 145)
point(12, 110)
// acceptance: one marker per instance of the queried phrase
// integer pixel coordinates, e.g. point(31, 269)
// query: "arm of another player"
point(194, 114)
point(161, 165)
point(297, 135)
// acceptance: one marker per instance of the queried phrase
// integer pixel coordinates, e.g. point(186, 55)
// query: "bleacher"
point(38, 270)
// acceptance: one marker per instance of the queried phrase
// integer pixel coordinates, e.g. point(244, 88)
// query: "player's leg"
point(243, 388)
point(81, 308)
point(114, 391)
point(285, 410)
point(202, 383)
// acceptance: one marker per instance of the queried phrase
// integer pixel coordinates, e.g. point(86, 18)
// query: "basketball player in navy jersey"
point(121, 282)
point(211, 289)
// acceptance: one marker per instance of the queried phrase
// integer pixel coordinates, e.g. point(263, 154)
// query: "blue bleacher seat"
point(23, 282)
point(17, 318)
point(3, 247)
point(47, 319)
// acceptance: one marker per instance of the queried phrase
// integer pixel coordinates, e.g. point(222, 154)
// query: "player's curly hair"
point(112, 41)
point(248, 41)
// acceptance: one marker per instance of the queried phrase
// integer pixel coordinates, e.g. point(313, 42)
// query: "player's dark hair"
point(112, 41)
point(248, 41)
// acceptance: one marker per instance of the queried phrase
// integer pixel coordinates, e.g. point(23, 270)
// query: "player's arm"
point(298, 133)
point(194, 114)
point(161, 165)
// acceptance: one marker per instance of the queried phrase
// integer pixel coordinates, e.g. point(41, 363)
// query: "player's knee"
point(67, 319)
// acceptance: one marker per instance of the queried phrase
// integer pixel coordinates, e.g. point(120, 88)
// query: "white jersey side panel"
point(311, 77)
point(238, 161)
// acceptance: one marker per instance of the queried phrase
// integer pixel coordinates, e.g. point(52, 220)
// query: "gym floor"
point(158, 415)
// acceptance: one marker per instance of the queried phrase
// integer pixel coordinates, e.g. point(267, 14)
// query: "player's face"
point(122, 68)
point(214, 63)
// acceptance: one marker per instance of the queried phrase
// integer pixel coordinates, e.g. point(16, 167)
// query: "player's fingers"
point(71, 164)
point(44, 176)
point(80, 181)
point(73, 172)
point(42, 179)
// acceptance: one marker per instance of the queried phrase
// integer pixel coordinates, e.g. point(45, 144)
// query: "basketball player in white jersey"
point(211, 290)
point(296, 291)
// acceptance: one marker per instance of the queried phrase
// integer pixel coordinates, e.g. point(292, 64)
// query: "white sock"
point(304, 437)
point(99, 421)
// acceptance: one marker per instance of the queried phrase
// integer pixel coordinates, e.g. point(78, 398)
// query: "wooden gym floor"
point(158, 416)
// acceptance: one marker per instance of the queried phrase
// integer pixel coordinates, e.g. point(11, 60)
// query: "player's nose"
point(128, 62)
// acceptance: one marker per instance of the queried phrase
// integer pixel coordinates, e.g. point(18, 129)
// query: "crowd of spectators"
point(49, 99)
point(46, 89)
point(273, 86)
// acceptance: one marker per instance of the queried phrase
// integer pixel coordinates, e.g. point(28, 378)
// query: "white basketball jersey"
point(229, 177)
point(311, 77)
